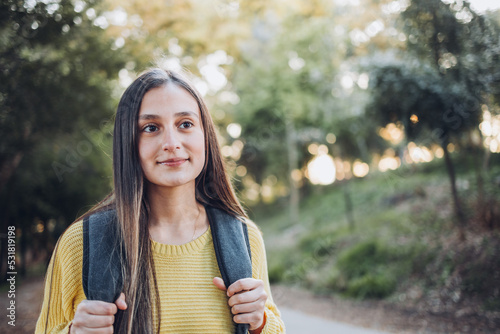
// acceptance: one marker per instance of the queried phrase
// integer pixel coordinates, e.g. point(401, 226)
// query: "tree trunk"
point(459, 213)
point(486, 160)
point(23, 244)
point(3, 246)
point(8, 167)
point(348, 206)
point(292, 165)
point(479, 154)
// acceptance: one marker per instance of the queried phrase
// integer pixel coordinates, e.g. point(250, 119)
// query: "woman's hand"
point(247, 299)
point(93, 316)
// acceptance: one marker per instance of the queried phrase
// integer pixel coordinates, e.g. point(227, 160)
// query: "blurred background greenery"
point(363, 136)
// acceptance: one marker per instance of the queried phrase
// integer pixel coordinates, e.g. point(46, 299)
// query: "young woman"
point(167, 168)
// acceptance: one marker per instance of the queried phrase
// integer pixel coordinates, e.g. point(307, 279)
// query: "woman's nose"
point(171, 141)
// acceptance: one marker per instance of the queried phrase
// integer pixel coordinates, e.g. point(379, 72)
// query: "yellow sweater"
point(190, 302)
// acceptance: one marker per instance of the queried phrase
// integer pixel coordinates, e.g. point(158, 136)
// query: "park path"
point(305, 313)
point(298, 322)
point(28, 300)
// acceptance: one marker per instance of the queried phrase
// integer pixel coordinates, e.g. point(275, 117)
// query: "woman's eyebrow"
point(148, 116)
point(186, 113)
point(177, 114)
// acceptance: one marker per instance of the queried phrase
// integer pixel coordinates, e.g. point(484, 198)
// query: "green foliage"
point(276, 273)
point(285, 83)
point(443, 106)
point(437, 90)
point(286, 266)
point(372, 269)
point(458, 42)
point(359, 260)
point(371, 286)
point(56, 69)
point(318, 243)
point(451, 67)
point(357, 139)
point(56, 79)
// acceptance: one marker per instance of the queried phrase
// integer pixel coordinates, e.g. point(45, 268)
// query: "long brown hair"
point(213, 187)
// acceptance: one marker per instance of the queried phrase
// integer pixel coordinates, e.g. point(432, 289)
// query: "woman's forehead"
point(169, 99)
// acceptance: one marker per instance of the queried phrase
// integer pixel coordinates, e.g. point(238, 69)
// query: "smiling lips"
point(173, 162)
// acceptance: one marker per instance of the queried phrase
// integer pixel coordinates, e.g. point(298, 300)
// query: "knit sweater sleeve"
point(63, 283)
point(274, 324)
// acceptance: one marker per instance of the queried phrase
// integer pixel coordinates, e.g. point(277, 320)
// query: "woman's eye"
point(186, 125)
point(150, 128)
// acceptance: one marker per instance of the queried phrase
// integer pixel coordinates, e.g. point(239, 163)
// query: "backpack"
point(102, 275)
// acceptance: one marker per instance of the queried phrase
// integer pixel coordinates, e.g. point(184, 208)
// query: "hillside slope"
point(403, 248)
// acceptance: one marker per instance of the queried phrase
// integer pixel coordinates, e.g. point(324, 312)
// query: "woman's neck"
point(175, 215)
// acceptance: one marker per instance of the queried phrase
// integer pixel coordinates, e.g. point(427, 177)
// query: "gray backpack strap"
point(102, 272)
point(232, 249)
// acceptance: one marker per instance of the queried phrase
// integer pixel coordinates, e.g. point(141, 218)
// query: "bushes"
point(276, 272)
point(371, 286)
point(372, 269)
point(359, 260)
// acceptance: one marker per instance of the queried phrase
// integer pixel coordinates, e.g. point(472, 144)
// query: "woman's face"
point(171, 137)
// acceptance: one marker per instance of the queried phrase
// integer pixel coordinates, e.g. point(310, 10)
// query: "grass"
point(403, 237)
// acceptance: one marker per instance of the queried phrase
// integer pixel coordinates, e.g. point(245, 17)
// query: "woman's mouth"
point(172, 162)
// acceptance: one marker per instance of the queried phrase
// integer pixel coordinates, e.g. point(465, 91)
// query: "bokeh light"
point(321, 169)
point(393, 133)
point(360, 169)
point(490, 129)
point(331, 138)
point(419, 154)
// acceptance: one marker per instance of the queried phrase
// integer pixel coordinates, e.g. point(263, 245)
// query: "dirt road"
point(379, 315)
point(28, 300)
point(298, 322)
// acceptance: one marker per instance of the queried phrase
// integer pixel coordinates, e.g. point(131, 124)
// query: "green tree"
point(438, 91)
point(55, 83)
point(56, 67)
point(289, 82)
point(285, 88)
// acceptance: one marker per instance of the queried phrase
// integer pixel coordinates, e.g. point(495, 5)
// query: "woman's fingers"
point(248, 307)
point(245, 291)
point(120, 302)
point(93, 321)
point(247, 301)
point(93, 316)
point(219, 283)
point(254, 319)
point(107, 330)
point(244, 284)
point(96, 307)
point(246, 297)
